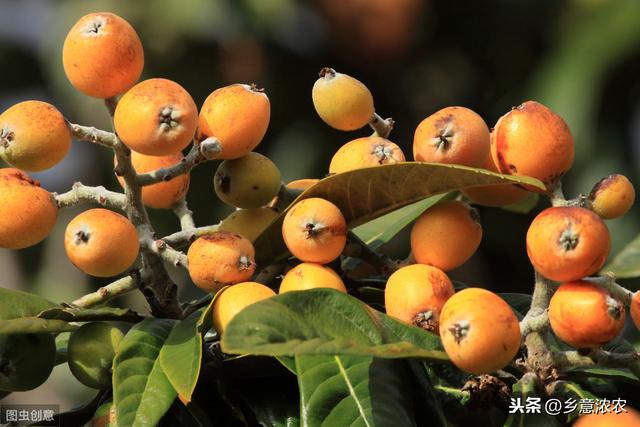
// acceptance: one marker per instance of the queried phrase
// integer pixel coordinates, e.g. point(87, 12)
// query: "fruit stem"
point(356, 248)
point(608, 282)
point(381, 127)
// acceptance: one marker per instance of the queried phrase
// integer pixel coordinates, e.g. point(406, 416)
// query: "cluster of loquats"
point(156, 119)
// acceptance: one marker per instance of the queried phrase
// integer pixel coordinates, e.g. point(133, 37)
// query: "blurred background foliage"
point(579, 57)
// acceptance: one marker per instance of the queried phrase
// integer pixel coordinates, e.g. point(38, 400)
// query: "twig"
point(82, 194)
point(95, 136)
point(270, 272)
point(119, 287)
point(608, 282)
point(182, 238)
point(356, 248)
point(595, 357)
point(284, 198)
point(170, 255)
point(381, 127)
point(184, 214)
point(200, 152)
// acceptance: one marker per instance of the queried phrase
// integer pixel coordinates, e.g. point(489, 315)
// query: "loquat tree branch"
point(95, 136)
point(608, 282)
point(356, 248)
point(208, 149)
point(381, 127)
point(595, 357)
point(115, 289)
point(81, 194)
point(184, 214)
point(183, 238)
point(156, 285)
point(170, 255)
point(536, 329)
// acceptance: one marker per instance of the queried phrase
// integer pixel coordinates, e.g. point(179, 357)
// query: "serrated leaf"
point(324, 321)
point(379, 231)
point(142, 392)
point(347, 390)
point(15, 304)
point(34, 325)
point(77, 314)
point(181, 354)
point(365, 194)
point(626, 264)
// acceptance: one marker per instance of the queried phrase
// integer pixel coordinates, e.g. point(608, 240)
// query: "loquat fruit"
point(479, 331)
point(250, 181)
point(584, 315)
point(238, 116)
point(156, 117)
point(341, 101)
point(309, 275)
point(102, 55)
point(219, 259)
point(365, 152)
point(494, 195)
point(302, 184)
point(250, 223)
point(634, 308)
point(455, 135)
point(162, 195)
point(34, 136)
point(446, 235)
point(612, 197)
point(26, 360)
point(90, 353)
point(628, 418)
point(415, 295)
point(531, 140)
point(101, 242)
point(567, 243)
point(314, 230)
point(27, 211)
point(235, 298)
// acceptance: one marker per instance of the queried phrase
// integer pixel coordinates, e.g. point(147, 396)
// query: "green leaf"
point(365, 194)
point(609, 374)
point(379, 231)
point(273, 400)
point(77, 314)
point(62, 343)
point(34, 325)
point(567, 389)
point(626, 264)
point(524, 206)
point(347, 390)
point(523, 390)
point(181, 353)
point(142, 393)
point(324, 321)
point(15, 304)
